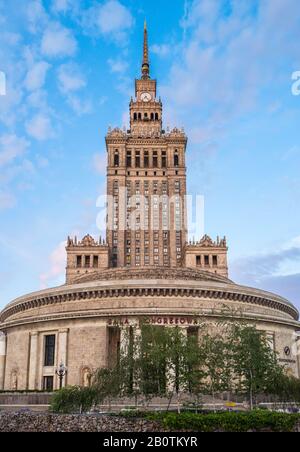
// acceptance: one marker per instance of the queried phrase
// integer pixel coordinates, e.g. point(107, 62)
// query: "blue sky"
point(224, 69)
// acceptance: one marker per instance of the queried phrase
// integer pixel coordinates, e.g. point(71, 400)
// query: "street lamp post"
point(61, 372)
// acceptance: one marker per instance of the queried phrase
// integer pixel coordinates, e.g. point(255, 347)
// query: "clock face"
point(146, 97)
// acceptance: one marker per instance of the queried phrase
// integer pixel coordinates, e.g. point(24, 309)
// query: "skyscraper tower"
point(146, 167)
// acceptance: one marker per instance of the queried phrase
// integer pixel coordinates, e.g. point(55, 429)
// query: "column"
point(298, 354)
point(2, 358)
point(124, 340)
point(62, 351)
point(33, 360)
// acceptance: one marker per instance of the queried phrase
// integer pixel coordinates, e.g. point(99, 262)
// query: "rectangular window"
point(206, 261)
point(155, 159)
point(198, 261)
point(87, 261)
point(79, 261)
point(164, 159)
point(96, 262)
point(146, 159)
point(215, 261)
point(137, 160)
point(48, 384)
point(49, 351)
point(128, 160)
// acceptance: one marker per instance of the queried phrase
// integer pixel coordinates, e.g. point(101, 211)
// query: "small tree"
point(217, 363)
point(254, 362)
point(74, 399)
point(161, 361)
point(184, 371)
point(107, 384)
point(285, 388)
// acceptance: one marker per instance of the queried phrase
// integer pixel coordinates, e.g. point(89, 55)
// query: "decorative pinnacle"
point(145, 65)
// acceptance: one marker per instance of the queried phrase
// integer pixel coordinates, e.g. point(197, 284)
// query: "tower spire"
point(145, 65)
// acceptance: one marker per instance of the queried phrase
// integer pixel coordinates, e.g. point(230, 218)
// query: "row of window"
point(205, 261)
point(153, 160)
point(146, 116)
point(137, 189)
point(87, 261)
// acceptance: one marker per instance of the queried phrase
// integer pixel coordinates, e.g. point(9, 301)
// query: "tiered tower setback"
point(149, 164)
point(146, 188)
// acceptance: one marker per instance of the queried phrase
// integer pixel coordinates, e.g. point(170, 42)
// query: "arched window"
point(146, 116)
point(156, 117)
point(152, 116)
point(116, 158)
point(135, 117)
point(140, 115)
point(176, 158)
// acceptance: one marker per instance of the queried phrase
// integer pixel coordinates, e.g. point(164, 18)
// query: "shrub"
point(73, 399)
point(228, 421)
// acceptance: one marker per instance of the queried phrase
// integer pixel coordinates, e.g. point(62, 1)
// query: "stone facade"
point(138, 273)
point(207, 255)
point(85, 256)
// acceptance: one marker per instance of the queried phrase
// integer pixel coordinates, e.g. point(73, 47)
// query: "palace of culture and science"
point(145, 269)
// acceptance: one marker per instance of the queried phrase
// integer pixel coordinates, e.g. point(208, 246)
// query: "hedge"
point(228, 421)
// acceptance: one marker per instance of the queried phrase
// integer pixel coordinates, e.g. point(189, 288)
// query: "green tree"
point(217, 363)
point(107, 383)
point(159, 362)
point(74, 399)
point(255, 364)
point(184, 369)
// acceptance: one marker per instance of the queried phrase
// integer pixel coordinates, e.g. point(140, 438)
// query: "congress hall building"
point(145, 270)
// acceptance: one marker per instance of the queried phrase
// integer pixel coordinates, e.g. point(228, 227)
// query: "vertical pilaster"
point(298, 354)
point(124, 340)
point(2, 358)
point(33, 360)
point(62, 351)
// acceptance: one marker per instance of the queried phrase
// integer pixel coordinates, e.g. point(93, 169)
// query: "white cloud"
point(225, 63)
point(11, 147)
point(80, 106)
point(38, 99)
point(281, 262)
point(58, 41)
point(37, 16)
point(112, 19)
point(12, 39)
point(70, 78)
point(40, 127)
point(36, 76)
point(118, 66)
point(100, 163)
point(57, 266)
point(277, 271)
point(162, 50)
point(42, 162)
point(7, 200)
point(61, 6)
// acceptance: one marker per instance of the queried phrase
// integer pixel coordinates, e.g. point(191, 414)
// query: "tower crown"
point(145, 109)
point(145, 64)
